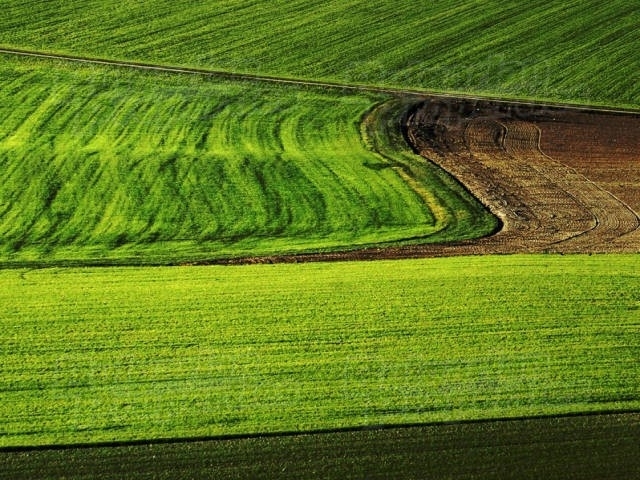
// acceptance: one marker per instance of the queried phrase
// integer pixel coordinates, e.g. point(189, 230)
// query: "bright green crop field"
point(112, 165)
point(138, 170)
point(582, 51)
point(94, 355)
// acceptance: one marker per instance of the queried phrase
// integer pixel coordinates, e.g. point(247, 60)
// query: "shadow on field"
point(601, 446)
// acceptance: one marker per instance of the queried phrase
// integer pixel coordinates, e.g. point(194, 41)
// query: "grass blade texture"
point(499, 450)
point(583, 51)
point(117, 165)
point(140, 353)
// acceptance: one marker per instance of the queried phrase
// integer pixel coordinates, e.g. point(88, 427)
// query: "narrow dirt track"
point(221, 74)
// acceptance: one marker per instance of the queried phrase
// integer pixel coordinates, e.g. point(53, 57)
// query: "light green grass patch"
point(141, 353)
point(113, 165)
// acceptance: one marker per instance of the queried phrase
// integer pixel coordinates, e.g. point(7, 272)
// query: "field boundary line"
point(326, 431)
point(305, 83)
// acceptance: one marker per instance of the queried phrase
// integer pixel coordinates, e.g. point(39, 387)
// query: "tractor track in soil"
point(561, 178)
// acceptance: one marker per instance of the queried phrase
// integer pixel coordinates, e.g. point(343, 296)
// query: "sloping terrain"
point(180, 166)
point(136, 353)
point(560, 50)
point(112, 164)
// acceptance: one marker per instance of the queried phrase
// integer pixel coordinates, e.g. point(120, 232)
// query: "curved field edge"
point(129, 167)
point(496, 48)
point(592, 446)
point(101, 355)
point(572, 205)
point(458, 215)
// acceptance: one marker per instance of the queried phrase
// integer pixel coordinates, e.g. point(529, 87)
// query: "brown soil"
point(560, 179)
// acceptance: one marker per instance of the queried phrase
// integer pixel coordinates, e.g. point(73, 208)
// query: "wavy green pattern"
point(116, 165)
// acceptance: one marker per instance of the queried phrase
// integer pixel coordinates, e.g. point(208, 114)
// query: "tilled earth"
point(560, 179)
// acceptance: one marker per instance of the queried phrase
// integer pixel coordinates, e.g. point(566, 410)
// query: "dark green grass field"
point(111, 165)
point(578, 51)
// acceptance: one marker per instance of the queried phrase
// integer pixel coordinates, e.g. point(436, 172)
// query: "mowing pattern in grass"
point(577, 50)
point(92, 355)
point(581, 447)
point(105, 163)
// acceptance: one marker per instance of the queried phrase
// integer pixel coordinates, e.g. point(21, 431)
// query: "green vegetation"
point(112, 165)
point(571, 50)
point(489, 450)
point(93, 355)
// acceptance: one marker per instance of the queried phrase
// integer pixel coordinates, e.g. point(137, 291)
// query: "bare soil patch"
point(560, 179)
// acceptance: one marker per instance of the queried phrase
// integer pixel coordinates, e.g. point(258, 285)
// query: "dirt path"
point(402, 92)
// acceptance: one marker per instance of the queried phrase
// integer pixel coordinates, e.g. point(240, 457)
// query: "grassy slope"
point(138, 353)
point(538, 348)
point(139, 167)
point(578, 50)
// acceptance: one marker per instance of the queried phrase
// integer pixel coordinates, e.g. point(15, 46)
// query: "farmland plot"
point(554, 50)
point(97, 355)
point(107, 165)
point(561, 179)
point(500, 450)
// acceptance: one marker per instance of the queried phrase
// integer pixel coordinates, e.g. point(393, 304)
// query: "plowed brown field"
point(560, 179)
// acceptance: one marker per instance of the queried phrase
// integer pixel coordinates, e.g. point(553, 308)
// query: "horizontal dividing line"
point(205, 72)
point(308, 83)
point(307, 433)
point(373, 254)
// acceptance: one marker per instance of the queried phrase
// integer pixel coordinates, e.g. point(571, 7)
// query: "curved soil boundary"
point(560, 178)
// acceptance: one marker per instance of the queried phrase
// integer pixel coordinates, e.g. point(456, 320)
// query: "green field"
point(130, 167)
point(97, 355)
point(503, 363)
point(582, 51)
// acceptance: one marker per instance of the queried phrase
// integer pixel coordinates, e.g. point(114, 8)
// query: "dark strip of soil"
point(602, 446)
